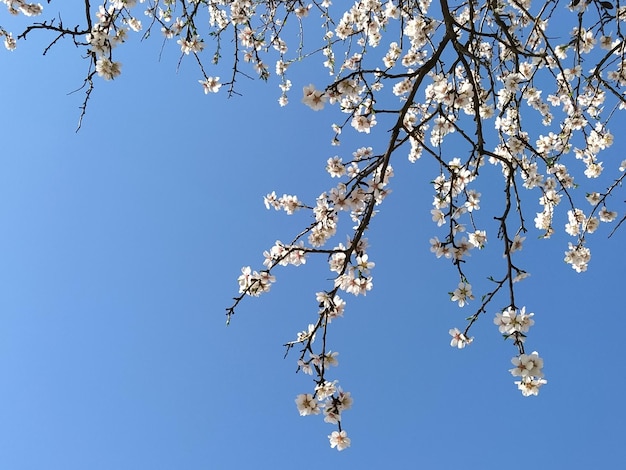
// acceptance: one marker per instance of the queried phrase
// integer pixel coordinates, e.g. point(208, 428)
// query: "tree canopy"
point(512, 101)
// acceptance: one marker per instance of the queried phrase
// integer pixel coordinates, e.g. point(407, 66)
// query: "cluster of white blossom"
point(529, 368)
point(513, 323)
point(285, 255)
point(15, 7)
point(105, 35)
point(254, 283)
point(329, 400)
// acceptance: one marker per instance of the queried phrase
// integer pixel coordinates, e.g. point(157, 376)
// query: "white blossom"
point(108, 69)
point(339, 439)
point(210, 84)
point(307, 405)
point(313, 98)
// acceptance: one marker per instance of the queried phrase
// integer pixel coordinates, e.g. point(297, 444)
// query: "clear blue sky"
point(120, 247)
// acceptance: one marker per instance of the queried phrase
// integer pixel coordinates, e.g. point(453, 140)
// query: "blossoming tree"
point(469, 84)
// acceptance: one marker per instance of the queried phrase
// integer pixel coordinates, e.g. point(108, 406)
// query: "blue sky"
point(120, 248)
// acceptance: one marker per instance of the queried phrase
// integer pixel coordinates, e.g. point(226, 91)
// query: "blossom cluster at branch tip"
point(107, 69)
point(513, 324)
point(339, 439)
point(529, 368)
point(331, 401)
